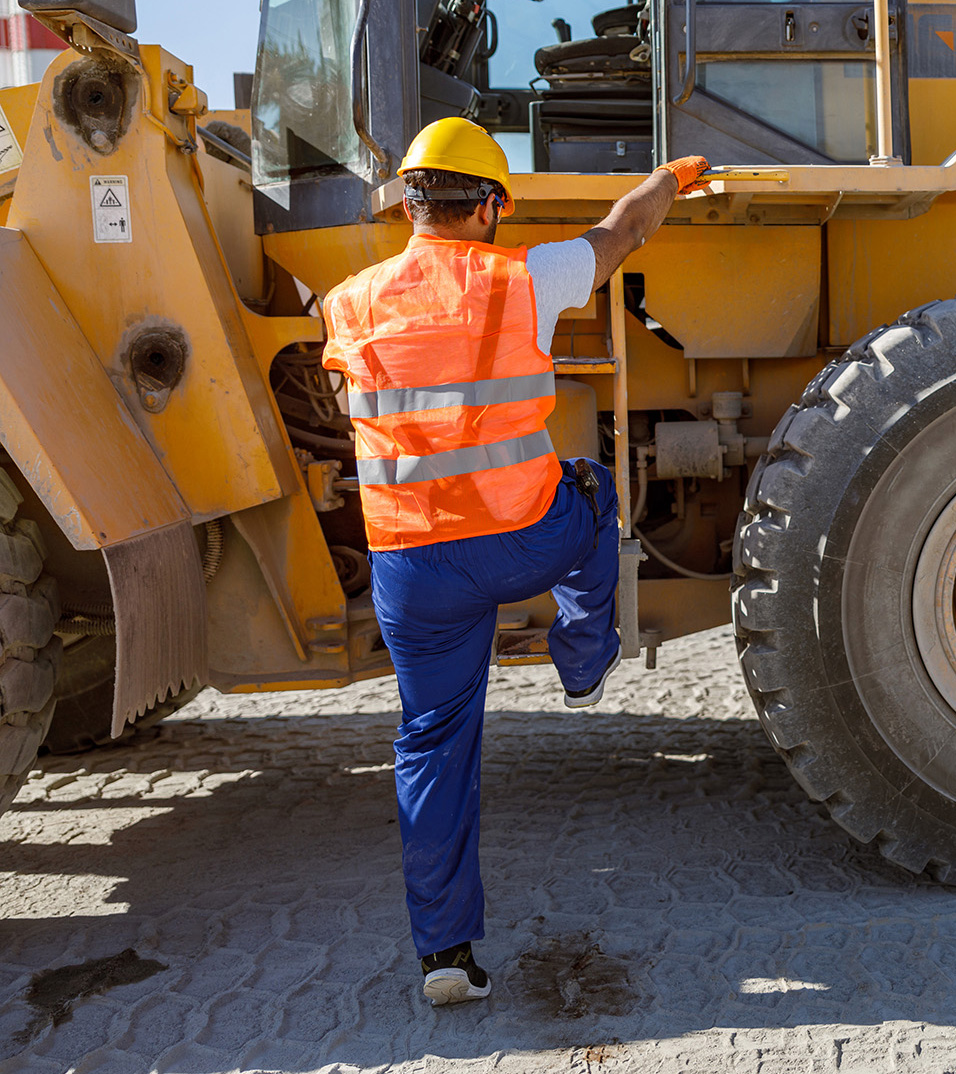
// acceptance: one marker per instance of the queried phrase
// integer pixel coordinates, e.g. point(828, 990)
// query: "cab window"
point(302, 109)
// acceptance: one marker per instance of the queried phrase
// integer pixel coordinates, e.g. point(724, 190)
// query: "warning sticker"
point(11, 156)
point(111, 216)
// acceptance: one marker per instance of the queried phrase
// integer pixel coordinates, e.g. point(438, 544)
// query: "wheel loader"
point(772, 379)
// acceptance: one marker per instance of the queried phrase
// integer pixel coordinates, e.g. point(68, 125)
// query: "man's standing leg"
point(439, 633)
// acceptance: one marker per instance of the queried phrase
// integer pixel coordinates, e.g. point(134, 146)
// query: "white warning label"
point(111, 214)
point(11, 156)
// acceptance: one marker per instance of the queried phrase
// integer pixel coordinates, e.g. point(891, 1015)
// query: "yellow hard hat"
point(458, 145)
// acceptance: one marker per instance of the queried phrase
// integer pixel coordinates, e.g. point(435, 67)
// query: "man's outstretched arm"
point(639, 214)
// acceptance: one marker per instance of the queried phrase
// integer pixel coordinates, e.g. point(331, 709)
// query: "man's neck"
point(470, 231)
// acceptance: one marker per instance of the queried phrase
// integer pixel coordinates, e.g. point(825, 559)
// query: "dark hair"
point(445, 213)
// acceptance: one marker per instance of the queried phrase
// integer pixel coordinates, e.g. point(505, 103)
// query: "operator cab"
point(740, 82)
point(342, 86)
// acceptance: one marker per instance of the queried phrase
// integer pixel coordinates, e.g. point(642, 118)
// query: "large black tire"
point(84, 708)
point(845, 561)
point(29, 610)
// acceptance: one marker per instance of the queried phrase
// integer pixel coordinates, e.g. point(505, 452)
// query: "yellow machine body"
point(763, 279)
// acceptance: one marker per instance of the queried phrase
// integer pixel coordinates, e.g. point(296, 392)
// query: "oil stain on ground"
point(571, 977)
point(53, 993)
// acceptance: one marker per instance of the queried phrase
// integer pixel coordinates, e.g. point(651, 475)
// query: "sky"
point(217, 37)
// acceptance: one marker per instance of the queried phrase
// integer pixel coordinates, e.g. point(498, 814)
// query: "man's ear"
point(407, 213)
point(486, 212)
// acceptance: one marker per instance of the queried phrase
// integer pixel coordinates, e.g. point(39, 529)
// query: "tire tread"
point(29, 651)
point(766, 566)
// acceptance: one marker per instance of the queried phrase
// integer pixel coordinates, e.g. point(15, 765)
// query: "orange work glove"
point(687, 171)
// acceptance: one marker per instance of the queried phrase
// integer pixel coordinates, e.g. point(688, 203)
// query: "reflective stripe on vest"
point(436, 397)
point(470, 460)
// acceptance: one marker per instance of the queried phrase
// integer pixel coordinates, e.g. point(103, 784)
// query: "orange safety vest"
point(448, 392)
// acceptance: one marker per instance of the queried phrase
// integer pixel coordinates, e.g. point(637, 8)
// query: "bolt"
point(150, 400)
point(101, 141)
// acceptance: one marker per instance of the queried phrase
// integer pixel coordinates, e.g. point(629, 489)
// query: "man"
point(446, 349)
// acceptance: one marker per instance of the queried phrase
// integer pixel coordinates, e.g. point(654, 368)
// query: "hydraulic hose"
point(686, 572)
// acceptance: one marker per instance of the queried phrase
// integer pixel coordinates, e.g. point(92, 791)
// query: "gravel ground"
point(225, 896)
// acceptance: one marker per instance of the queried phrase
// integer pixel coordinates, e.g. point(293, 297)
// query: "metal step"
point(529, 646)
point(584, 365)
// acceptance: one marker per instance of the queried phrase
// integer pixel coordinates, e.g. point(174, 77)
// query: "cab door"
point(773, 83)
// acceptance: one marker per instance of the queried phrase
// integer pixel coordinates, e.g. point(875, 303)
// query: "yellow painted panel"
point(248, 633)
point(734, 292)
point(324, 257)
point(276, 576)
point(228, 195)
point(932, 119)
point(305, 683)
point(18, 103)
point(219, 437)
point(679, 606)
point(572, 424)
point(287, 540)
point(879, 269)
point(62, 421)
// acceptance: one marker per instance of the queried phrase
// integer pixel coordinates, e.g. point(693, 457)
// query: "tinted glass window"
point(302, 105)
point(827, 105)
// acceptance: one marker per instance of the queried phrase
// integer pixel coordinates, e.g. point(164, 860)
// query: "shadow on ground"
point(645, 878)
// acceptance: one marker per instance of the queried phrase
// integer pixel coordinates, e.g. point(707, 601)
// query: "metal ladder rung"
point(581, 366)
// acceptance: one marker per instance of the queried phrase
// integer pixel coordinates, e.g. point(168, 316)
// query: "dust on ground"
point(225, 895)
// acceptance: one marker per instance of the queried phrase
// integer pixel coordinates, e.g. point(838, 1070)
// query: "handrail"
point(359, 90)
point(884, 93)
point(690, 53)
point(237, 155)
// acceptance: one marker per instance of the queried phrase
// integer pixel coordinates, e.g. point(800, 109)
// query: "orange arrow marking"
point(946, 36)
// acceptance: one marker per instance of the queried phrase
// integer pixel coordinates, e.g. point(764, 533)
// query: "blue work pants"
point(437, 606)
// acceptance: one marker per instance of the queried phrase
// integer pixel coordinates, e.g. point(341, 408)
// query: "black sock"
point(458, 957)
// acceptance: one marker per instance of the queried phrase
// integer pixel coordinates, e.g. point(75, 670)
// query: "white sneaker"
point(591, 695)
point(455, 986)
